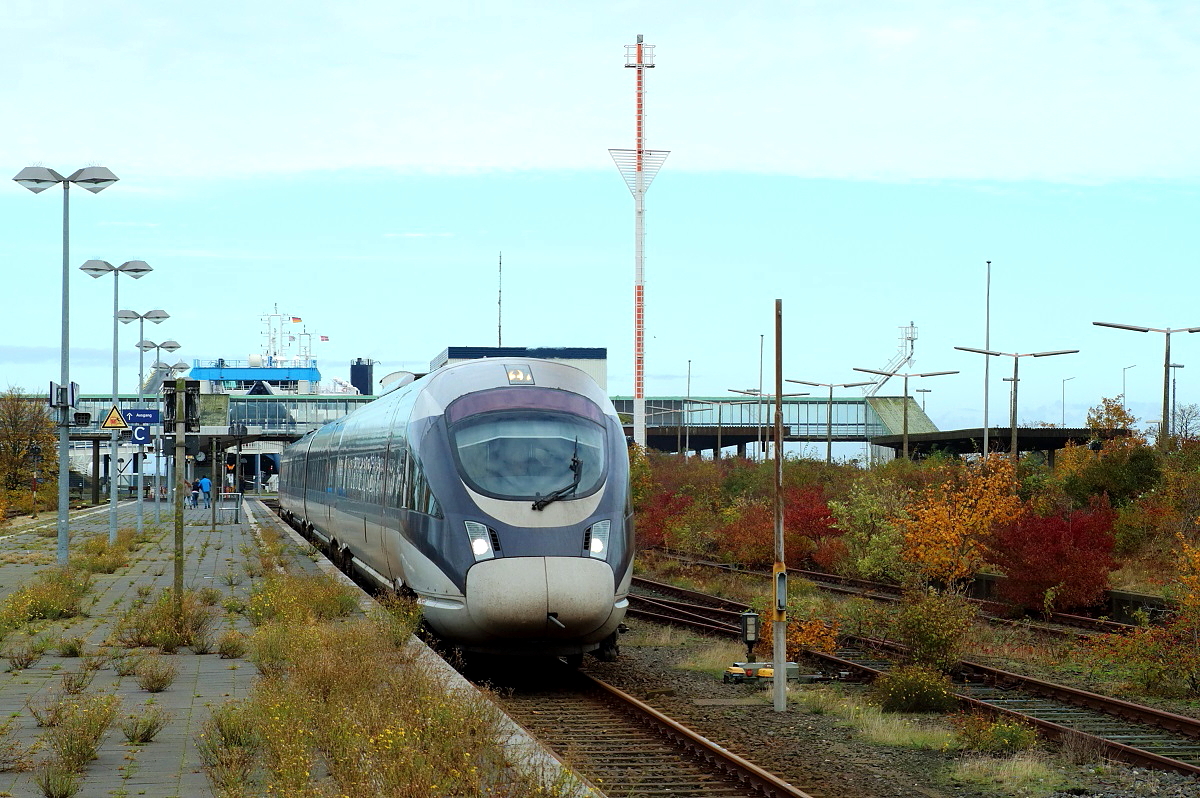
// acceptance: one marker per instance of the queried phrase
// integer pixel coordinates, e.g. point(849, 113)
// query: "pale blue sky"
point(362, 165)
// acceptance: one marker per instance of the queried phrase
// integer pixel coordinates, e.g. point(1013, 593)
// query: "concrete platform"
point(169, 765)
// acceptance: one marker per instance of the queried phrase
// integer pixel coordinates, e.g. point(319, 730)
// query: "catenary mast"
point(638, 167)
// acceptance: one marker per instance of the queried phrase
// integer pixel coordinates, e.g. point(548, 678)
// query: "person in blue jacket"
point(206, 490)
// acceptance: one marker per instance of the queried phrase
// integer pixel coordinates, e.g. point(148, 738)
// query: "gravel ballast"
point(823, 756)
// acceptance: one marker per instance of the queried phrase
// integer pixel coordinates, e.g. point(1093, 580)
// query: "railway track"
point(626, 748)
point(1058, 624)
point(1125, 731)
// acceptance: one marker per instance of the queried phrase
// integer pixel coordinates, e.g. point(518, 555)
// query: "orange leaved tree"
point(947, 527)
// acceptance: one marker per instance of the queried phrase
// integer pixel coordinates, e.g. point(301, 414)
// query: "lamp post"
point(35, 460)
point(37, 179)
point(1016, 356)
point(890, 374)
point(156, 316)
point(1164, 427)
point(829, 410)
point(1064, 399)
point(687, 434)
point(168, 346)
point(135, 269)
point(1124, 403)
point(1174, 391)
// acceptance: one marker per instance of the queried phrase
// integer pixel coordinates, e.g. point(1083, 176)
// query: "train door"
point(389, 509)
point(372, 442)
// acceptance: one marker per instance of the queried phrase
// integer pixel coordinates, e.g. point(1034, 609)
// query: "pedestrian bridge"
point(673, 423)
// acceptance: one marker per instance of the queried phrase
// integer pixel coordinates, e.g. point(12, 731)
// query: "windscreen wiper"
point(576, 469)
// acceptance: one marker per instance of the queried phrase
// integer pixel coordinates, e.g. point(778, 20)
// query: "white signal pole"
point(639, 166)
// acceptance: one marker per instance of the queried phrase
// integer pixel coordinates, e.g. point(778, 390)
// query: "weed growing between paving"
point(342, 706)
point(53, 594)
point(155, 624)
point(13, 755)
point(155, 674)
point(82, 723)
point(144, 727)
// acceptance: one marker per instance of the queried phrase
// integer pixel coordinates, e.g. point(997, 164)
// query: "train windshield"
point(529, 453)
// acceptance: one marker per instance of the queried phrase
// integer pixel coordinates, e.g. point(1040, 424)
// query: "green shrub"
point(934, 626)
point(978, 731)
point(913, 688)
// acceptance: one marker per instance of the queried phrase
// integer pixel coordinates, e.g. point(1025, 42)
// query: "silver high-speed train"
point(496, 490)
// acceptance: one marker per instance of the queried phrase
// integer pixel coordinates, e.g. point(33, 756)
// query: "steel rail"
point(768, 784)
point(1143, 716)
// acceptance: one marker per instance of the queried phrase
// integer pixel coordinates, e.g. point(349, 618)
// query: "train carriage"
point(497, 491)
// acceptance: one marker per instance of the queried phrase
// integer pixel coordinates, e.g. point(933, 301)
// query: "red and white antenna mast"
point(638, 167)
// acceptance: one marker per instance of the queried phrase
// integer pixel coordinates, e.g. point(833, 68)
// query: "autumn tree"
point(24, 428)
point(1117, 464)
point(947, 527)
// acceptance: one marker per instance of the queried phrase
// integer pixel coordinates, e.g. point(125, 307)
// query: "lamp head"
point(94, 178)
point(37, 178)
point(97, 268)
point(135, 268)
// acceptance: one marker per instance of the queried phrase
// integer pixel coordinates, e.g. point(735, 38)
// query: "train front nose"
point(541, 597)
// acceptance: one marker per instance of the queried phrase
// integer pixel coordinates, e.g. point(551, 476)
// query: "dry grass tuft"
point(1023, 774)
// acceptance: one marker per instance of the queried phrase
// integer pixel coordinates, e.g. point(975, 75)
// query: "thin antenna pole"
point(500, 301)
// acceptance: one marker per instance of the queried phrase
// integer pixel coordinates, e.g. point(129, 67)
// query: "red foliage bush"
point(809, 535)
point(654, 520)
point(750, 538)
point(1060, 561)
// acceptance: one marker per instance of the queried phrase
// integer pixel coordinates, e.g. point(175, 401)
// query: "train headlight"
point(597, 540)
point(481, 540)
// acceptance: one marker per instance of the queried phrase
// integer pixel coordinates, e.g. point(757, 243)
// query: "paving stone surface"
point(215, 556)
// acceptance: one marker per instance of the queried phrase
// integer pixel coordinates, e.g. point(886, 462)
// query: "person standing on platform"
point(206, 489)
point(195, 493)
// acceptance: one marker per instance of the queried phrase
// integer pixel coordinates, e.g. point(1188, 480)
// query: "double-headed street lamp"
point(829, 410)
point(37, 179)
point(156, 316)
point(135, 269)
point(1016, 356)
point(889, 375)
point(1164, 427)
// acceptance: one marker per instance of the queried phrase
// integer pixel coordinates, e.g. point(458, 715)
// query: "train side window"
point(410, 482)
